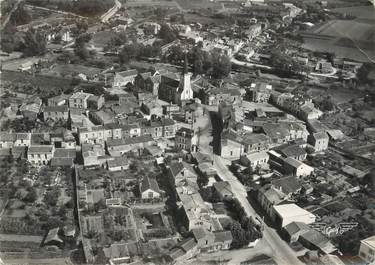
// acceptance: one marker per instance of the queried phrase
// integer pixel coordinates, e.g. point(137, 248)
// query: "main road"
point(281, 252)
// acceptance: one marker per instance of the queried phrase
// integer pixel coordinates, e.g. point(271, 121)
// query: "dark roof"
point(185, 132)
point(149, 183)
point(295, 227)
point(61, 152)
point(287, 184)
point(187, 244)
point(62, 161)
point(129, 141)
point(62, 108)
point(292, 150)
point(223, 236)
point(40, 149)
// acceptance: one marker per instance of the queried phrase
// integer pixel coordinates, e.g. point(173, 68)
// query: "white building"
point(297, 168)
point(288, 213)
point(40, 154)
point(149, 189)
point(367, 250)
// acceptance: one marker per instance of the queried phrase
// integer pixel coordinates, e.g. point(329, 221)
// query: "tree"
point(31, 196)
point(238, 234)
point(221, 65)
point(167, 33)
point(175, 55)
point(80, 48)
point(20, 16)
point(51, 197)
point(363, 72)
point(35, 43)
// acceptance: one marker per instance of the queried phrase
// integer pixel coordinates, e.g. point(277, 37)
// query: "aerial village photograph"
point(187, 132)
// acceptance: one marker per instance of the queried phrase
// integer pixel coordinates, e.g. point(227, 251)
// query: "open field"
point(350, 39)
point(362, 12)
point(348, 29)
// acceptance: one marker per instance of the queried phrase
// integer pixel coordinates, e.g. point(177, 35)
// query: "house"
point(58, 100)
point(117, 147)
point(79, 100)
point(118, 163)
point(30, 109)
point(296, 167)
point(255, 142)
point(184, 250)
point(293, 151)
point(121, 79)
point(99, 134)
point(186, 139)
point(102, 117)
point(254, 160)
point(294, 229)
point(214, 96)
point(289, 185)
point(319, 141)
point(230, 149)
point(152, 108)
point(130, 130)
point(196, 212)
point(192, 111)
point(259, 92)
point(40, 154)
point(159, 128)
point(180, 171)
point(288, 213)
point(22, 139)
point(68, 141)
point(268, 196)
point(367, 249)
point(284, 132)
point(56, 113)
point(223, 189)
point(315, 240)
point(309, 112)
point(93, 155)
point(336, 135)
point(95, 102)
point(149, 188)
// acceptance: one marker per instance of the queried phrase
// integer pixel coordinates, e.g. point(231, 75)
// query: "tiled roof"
point(149, 183)
point(40, 149)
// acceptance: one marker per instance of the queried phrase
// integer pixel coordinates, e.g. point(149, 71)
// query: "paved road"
point(280, 250)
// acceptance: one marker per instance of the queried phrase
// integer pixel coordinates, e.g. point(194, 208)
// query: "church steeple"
point(184, 91)
point(185, 70)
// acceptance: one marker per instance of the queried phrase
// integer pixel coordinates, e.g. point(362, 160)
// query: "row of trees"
point(243, 230)
point(138, 51)
point(212, 64)
point(33, 43)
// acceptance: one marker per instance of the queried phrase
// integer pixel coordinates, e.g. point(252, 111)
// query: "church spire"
point(185, 71)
